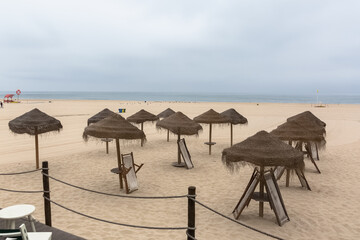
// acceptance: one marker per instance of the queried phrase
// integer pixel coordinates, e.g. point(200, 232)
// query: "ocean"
point(189, 97)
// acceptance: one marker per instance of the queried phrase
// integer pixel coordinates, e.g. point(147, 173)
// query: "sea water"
point(189, 97)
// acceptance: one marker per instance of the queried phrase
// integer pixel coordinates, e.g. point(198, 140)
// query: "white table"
point(10, 214)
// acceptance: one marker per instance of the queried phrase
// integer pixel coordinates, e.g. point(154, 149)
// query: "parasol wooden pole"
point(210, 139)
point(36, 148)
point(261, 203)
point(119, 162)
point(287, 177)
point(168, 135)
point(179, 159)
point(142, 140)
point(107, 146)
point(231, 134)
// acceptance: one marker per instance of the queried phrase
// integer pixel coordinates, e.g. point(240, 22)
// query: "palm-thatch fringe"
point(234, 116)
point(166, 113)
point(264, 150)
point(179, 124)
point(142, 116)
point(34, 122)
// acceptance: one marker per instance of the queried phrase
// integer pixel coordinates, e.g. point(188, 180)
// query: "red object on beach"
point(8, 98)
point(18, 92)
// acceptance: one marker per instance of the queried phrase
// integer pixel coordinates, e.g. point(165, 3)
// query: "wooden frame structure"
point(279, 171)
point(272, 195)
point(309, 152)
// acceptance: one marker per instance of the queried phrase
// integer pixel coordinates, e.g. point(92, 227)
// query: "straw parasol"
point(307, 116)
point(100, 116)
point(263, 150)
point(34, 123)
point(301, 130)
point(115, 127)
point(294, 131)
point(235, 118)
point(164, 114)
point(179, 124)
point(211, 117)
point(141, 117)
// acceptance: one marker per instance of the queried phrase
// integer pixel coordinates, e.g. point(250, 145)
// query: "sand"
point(329, 211)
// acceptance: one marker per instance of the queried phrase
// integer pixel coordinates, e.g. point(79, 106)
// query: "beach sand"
point(329, 211)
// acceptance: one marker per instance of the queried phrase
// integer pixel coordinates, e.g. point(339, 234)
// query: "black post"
point(46, 188)
point(191, 212)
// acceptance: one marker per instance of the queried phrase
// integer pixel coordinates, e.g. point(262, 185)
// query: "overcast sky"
point(248, 46)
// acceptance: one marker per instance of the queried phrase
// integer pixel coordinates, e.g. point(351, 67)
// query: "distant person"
point(1, 104)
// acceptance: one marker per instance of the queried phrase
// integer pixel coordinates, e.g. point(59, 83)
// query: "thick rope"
point(242, 224)
point(21, 191)
point(7, 174)
point(187, 234)
point(114, 195)
point(116, 223)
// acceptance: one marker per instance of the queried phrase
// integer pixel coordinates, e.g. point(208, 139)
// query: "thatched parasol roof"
point(179, 124)
point(211, 116)
point(27, 123)
point(293, 131)
point(307, 119)
point(234, 116)
point(264, 150)
point(142, 116)
point(100, 116)
point(166, 113)
point(113, 126)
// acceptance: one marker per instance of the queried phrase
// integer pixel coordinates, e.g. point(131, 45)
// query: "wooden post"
point(231, 134)
point(261, 203)
point(107, 146)
point(119, 162)
point(210, 139)
point(191, 212)
point(287, 177)
point(179, 159)
point(142, 129)
point(36, 148)
point(46, 188)
point(168, 135)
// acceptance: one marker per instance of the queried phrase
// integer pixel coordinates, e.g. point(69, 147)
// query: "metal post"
point(191, 212)
point(46, 188)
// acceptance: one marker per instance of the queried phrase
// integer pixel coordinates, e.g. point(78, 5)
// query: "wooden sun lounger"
point(131, 183)
point(275, 198)
point(313, 153)
point(185, 154)
point(279, 171)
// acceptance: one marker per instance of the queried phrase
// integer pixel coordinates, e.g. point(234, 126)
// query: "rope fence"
point(18, 173)
point(191, 196)
point(112, 194)
point(116, 223)
point(22, 191)
point(235, 221)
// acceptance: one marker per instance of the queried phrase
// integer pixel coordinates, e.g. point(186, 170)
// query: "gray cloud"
point(237, 46)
